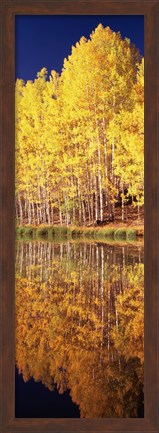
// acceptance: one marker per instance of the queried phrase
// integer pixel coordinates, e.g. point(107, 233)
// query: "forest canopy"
point(80, 135)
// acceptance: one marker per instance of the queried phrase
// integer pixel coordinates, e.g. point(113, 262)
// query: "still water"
point(79, 329)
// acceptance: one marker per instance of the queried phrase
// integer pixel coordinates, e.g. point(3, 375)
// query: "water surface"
point(79, 329)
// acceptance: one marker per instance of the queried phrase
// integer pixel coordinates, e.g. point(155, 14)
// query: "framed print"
point(79, 245)
point(79, 216)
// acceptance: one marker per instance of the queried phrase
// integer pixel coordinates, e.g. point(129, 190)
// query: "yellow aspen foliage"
point(76, 132)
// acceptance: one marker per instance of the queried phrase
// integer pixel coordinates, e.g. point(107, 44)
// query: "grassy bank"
point(61, 231)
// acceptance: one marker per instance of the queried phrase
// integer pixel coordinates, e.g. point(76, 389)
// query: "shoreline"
point(114, 232)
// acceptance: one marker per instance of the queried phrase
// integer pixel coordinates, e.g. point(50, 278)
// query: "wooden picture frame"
point(150, 9)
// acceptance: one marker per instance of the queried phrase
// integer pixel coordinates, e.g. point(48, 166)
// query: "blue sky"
point(44, 41)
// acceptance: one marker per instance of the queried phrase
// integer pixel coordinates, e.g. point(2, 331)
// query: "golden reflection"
point(79, 323)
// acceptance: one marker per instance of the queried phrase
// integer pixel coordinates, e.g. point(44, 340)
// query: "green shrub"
point(103, 232)
point(60, 231)
point(29, 231)
point(25, 231)
point(19, 230)
point(76, 231)
point(41, 232)
point(120, 234)
point(109, 232)
point(131, 234)
point(88, 232)
point(50, 231)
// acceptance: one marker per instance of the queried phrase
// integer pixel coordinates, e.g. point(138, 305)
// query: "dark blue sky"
point(44, 41)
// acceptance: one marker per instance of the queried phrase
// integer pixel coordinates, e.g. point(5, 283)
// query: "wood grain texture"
point(76, 7)
point(9, 8)
point(151, 216)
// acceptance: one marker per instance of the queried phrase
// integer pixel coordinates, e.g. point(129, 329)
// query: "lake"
point(79, 329)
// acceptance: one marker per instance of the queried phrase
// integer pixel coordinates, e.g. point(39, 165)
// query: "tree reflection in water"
point(79, 322)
